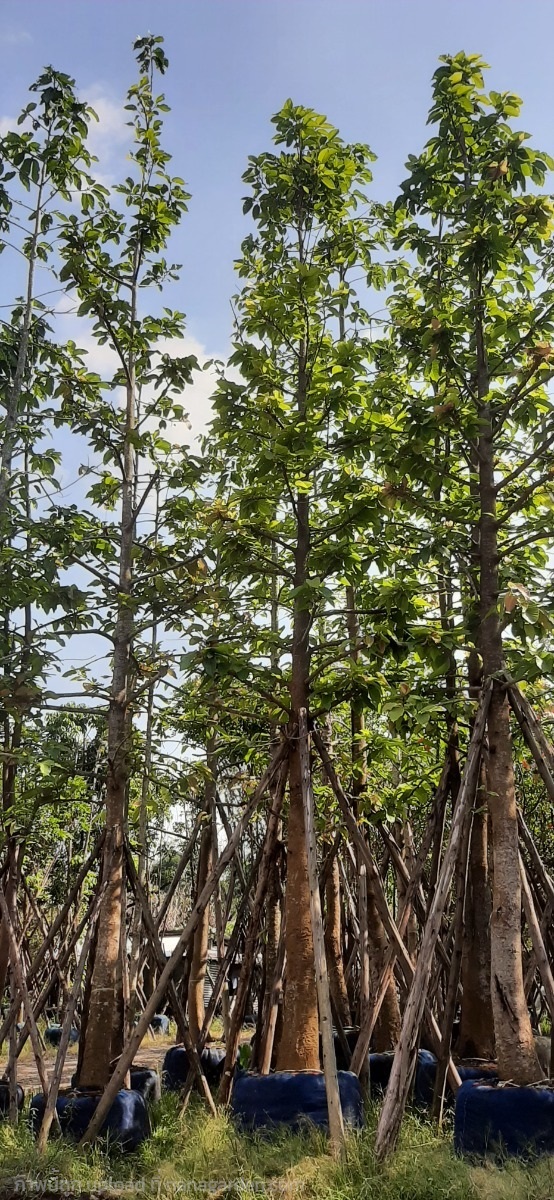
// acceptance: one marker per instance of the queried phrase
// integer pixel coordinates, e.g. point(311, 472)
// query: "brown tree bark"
point(387, 1026)
point(333, 944)
point(299, 1045)
point(476, 1038)
point(515, 1049)
point(389, 1021)
point(196, 1007)
point(104, 1031)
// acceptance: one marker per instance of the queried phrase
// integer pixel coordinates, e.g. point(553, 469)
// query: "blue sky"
point(366, 63)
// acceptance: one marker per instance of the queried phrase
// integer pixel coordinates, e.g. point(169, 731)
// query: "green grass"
point(209, 1152)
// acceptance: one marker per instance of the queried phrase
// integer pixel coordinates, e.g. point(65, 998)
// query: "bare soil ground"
point(151, 1054)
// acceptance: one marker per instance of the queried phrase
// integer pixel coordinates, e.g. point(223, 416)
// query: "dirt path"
point(149, 1055)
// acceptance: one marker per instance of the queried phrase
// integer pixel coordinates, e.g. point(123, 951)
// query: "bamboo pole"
point(134, 1041)
point(406, 1052)
point(336, 1126)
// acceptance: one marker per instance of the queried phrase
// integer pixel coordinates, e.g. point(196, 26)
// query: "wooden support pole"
point(364, 947)
point(13, 1112)
point(455, 970)
point(153, 937)
point(50, 1106)
point(391, 928)
point(55, 928)
point(275, 995)
point(532, 732)
point(336, 1125)
point(539, 868)
point(406, 1052)
point(179, 871)
point(40, 1002)
point(543, 964)
point(23, 991)
point(134, 1041)
point(249, 954)
point(434, 827)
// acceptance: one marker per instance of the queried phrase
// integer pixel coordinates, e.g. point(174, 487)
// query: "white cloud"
point(14, 37)
point(196, 397)
point(109, 134)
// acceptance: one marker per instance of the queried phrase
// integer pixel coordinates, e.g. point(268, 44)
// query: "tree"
point(42, 164)
point(110, 256)
point(473, 320)
point(291, 492)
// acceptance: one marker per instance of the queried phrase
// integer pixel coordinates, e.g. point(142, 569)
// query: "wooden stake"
point(406, 1051)
point(364, 947)
point(50, 1107)
point(152, 933)
point(381, 901)
point(270, 1018)
point(451, 1000)
point(249, 954)
point(12, 1056)
point(54, 929)
point(545, 970)
point(22, 986)
point(531, 729)
point(362, 1046)
point(336, 1126)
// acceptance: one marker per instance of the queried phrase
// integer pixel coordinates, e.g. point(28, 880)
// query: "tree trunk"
point(515, 1049)
point(104, 1031)
point(476, 1039)
point(388, 1022)
point(299, 1044)
point(387, 1026)
point(333, 944)
point(196, 1007)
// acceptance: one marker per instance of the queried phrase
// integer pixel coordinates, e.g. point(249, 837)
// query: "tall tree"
point(110, 257)
point(288, 468)
point(473, 317)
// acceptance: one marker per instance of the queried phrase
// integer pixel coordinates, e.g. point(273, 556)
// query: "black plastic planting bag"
point(512, 1120)
point(126, 1126)
point(176, 1067)
point(293, 1098)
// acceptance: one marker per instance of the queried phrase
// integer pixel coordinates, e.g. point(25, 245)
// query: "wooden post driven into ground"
point(153, 938)
point(23, 992)
point(50, 1106)
point(531, 729)
point(134, 1041)
point(336, 1126)
point(249, 954)
point(374, 876)
point(405, 1056)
